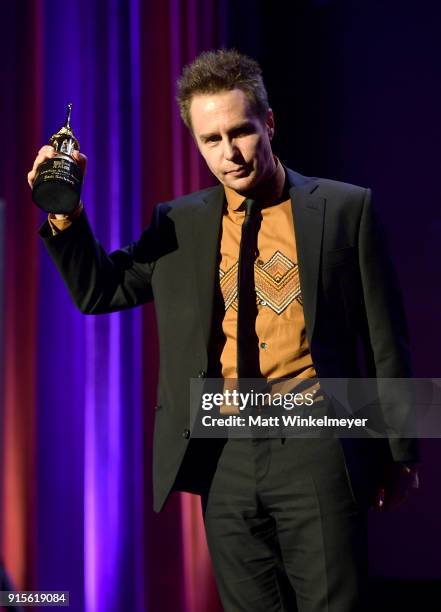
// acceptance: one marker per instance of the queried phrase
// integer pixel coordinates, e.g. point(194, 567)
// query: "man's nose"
point(230, 149)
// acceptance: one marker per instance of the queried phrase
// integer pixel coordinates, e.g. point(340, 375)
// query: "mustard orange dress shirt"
point(280, 323)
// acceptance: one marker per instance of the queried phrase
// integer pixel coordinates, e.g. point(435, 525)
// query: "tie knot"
point(250, 206)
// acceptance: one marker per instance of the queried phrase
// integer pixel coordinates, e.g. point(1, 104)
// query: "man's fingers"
point(399, 482)
point(379, 500)
point(47, 152)
point(43, 154)
point(81, 160)
point(387, 500)
point(415, 482)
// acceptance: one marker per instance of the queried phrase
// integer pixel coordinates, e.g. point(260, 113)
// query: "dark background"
point(356, 92)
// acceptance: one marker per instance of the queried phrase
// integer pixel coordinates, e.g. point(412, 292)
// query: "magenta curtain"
point(77, 406)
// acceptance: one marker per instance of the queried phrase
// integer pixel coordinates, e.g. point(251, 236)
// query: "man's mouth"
point(239, 172)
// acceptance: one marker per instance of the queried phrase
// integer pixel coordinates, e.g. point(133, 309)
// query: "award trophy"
point(57, 185)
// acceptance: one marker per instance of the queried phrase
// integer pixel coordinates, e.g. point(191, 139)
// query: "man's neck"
point(271, 189)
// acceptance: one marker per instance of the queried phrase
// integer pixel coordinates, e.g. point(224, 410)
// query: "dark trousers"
point(282, 513)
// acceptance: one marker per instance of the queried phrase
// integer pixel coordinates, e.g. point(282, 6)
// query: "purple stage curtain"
point(79, 391)
point(20, 110)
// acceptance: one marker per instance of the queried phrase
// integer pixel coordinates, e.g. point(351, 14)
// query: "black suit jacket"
point(353, 312)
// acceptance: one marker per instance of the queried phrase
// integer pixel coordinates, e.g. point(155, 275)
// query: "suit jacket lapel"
point(308, 214)
point(206, 224)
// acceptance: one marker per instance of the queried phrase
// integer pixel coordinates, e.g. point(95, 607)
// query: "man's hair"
point(222, 70)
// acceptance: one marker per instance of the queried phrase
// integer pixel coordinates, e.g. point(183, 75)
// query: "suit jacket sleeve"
point(388, 334)
point(99, 282)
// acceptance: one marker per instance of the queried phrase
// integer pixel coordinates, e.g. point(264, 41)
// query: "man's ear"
point(270, 122)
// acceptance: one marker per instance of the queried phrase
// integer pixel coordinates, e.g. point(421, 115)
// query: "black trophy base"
point(57, 187)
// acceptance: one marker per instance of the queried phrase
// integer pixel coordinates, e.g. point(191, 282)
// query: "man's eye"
point(245, 131)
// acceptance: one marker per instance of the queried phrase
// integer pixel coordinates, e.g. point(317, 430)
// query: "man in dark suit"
point(321, 288)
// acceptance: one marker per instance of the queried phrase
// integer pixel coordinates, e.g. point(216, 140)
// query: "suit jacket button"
point(186, 434)
point(202, 374)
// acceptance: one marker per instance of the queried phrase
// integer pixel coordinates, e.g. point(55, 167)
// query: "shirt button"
point(186, 434)
point(263, 345)
point(263, 302)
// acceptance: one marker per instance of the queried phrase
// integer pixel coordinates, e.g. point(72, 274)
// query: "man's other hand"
point(396, 483)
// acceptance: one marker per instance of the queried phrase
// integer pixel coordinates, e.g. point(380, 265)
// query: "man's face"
point(235, 143)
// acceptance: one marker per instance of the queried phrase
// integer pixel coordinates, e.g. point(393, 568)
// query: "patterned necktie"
point(247, 341)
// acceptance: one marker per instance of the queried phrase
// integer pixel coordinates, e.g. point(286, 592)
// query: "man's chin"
point(241, 184)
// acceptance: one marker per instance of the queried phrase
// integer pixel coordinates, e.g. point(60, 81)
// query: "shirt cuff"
point(59, 225)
